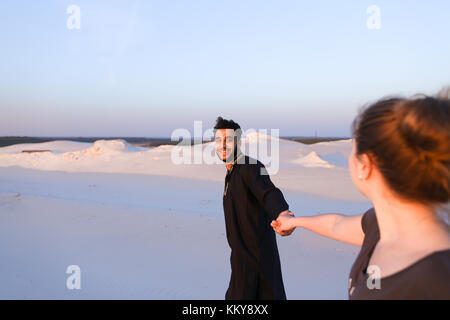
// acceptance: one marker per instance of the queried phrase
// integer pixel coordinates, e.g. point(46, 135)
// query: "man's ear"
point(365, 166)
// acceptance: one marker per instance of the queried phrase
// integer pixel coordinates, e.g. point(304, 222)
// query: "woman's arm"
point(335, 226)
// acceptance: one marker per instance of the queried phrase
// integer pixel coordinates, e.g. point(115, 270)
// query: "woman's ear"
point(365, 166)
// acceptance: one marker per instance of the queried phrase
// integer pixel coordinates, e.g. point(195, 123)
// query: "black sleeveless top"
point(427, 278)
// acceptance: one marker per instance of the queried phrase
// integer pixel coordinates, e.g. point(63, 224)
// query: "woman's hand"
point(284, 223)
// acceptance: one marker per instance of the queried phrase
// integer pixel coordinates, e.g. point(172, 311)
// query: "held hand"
point(283, 224)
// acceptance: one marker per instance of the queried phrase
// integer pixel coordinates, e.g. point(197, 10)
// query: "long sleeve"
point(260, 185)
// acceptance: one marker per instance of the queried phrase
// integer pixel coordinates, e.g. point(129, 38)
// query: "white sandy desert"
point(141, 227)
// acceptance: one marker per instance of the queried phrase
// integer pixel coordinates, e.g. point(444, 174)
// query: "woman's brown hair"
point(409, 142)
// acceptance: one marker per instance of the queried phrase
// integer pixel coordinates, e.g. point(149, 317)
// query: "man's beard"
point(232, 157)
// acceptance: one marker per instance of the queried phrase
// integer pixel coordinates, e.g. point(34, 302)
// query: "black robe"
point(251, 201)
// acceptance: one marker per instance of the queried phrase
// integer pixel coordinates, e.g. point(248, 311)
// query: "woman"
point(401, 162)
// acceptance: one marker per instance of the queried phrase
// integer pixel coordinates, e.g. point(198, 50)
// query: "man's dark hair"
point(221, 123)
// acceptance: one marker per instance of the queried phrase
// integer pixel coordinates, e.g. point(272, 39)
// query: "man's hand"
point(280, 225)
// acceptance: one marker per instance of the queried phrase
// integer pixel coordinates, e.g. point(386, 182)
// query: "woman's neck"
point(409, 221)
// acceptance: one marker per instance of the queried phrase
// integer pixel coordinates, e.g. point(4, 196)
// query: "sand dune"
point(297, 162)
point(142, 227)
point(313, 160)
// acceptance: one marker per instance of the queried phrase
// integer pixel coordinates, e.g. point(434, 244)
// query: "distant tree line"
point(138, 141)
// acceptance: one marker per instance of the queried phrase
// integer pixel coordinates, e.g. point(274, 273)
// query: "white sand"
point(141, 227)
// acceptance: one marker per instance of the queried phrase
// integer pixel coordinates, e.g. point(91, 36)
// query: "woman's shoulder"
point(369, 221)
point(432, 275)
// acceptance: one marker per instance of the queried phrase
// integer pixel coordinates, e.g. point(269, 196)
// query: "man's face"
point(225, 143)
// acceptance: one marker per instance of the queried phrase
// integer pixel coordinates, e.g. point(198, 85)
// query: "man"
point(250, 202)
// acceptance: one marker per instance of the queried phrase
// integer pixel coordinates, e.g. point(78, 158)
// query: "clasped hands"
point(282, 225)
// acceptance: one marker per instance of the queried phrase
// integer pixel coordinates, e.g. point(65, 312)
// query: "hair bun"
point(410, 143)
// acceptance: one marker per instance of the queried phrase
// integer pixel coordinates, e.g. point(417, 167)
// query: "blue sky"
point(145, 68)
